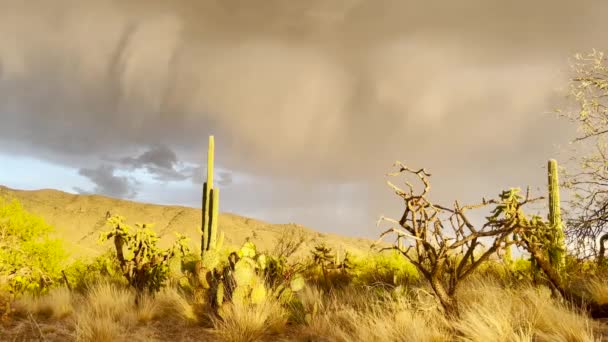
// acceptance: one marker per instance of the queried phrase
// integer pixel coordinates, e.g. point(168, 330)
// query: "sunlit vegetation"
point(327, 296)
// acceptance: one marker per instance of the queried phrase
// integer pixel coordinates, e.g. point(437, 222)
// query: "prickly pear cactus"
point(249, 278)
point(258, 293)
point(219, 295)
point(248, 250)
point(297, 283)
point(244, 273)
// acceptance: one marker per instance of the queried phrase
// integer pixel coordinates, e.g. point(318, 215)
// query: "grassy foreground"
point(374, 297)
point(491, 310)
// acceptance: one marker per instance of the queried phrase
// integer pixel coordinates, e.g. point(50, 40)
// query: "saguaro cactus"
point(601, 256)
point(557, 250)
point(211, 201)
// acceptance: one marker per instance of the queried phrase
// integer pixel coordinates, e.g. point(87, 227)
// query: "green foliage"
point(388, 267)
point(81, 273)
point(30, 261)
point(188, 262)
point(385, 268)
point(522, 269)
point(144, 265)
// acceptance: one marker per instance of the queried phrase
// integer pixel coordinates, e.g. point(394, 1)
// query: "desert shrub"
point(288, 244)
point(386, 268)
point(30, 261)
point(279, 270)
point(328, 269)
point(522, 266)
point(188, 262)
point(582, 268)
point(83, 272)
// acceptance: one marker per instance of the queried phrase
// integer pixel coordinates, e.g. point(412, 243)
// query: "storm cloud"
point(328, 93)
point(161, 162)
point(108, 183)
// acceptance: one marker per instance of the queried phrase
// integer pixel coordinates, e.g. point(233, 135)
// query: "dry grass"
point(105, 312)
point(362, 315)
point(598, 290)
point(492, 313)
point(57, 304)
point(249, 323)
point(489, 312)
point(109, 313)
point(171, 303)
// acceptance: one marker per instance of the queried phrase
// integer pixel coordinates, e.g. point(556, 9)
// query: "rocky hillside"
point(78, 219)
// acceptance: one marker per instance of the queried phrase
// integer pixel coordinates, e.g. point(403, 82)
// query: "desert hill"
point(78, 219)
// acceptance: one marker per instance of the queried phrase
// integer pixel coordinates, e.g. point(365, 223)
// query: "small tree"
point(587, 217)
point(444, 243)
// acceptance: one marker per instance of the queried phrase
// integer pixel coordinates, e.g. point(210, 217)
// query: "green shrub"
point(386, 268)
point(30, 261)
point(84, 272)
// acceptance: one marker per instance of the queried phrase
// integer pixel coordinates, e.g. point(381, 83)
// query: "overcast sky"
point(310, 101)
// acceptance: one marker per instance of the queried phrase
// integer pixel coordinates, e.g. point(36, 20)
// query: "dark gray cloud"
point(157, 156)
point(161, 162)
point(108, 183)
point(225, 178)
point(315, 92)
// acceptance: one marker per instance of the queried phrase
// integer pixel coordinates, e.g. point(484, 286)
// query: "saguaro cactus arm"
point(205, 218)
point(210, 157)
point(602, 252)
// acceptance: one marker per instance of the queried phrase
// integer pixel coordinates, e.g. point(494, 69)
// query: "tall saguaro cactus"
point(210, 212)
point(557, 250)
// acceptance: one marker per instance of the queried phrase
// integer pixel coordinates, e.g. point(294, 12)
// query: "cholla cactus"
point(143, 264)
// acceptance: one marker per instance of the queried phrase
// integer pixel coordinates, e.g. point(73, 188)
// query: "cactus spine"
point(557, 251)
point(211, 201)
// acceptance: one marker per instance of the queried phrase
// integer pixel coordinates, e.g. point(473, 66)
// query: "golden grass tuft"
point(490, 312)
point(57, 304)
point(105, 313)
point(171, 303)
point(90, 327)
point(362, 315)
point(598, 290)
point(249, 323)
